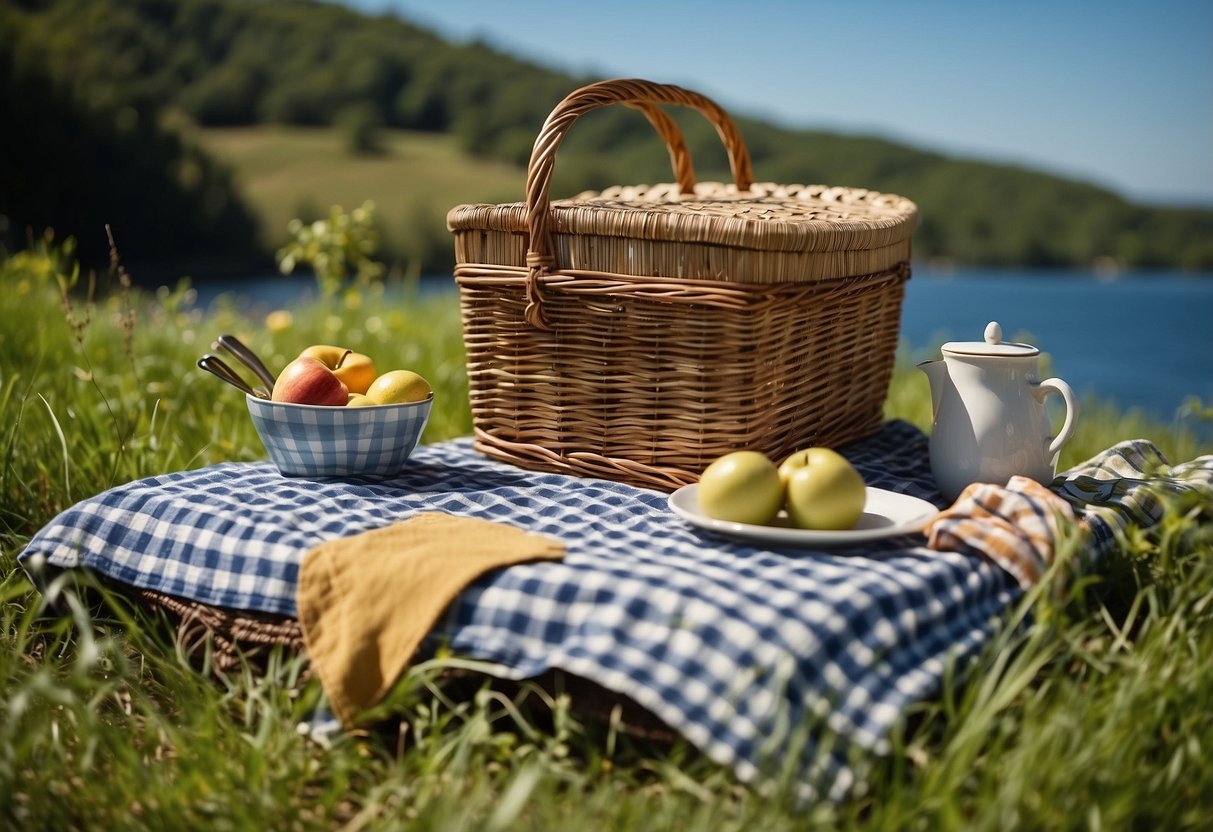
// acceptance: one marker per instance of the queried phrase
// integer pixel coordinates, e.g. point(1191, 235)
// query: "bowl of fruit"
point(331, 414)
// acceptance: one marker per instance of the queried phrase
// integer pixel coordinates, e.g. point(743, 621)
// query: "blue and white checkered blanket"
point(733, 646)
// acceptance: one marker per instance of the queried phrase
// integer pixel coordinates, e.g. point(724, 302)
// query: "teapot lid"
point(993, 345)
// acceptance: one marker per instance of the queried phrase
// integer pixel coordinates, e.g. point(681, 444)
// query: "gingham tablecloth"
point(735, 647)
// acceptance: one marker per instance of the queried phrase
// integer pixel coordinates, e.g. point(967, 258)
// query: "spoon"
point(246, 356)
point(217, 367)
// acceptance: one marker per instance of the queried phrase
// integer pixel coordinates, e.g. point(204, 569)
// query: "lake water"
point(1143, 340)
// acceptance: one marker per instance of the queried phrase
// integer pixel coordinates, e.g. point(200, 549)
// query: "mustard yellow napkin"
point(366, 601)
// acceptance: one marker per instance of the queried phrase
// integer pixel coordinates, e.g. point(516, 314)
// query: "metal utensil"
point(217, 367)
point(247, 357)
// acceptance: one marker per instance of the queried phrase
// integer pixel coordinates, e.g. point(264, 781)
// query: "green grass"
point(1096, 714)
point(288, 172)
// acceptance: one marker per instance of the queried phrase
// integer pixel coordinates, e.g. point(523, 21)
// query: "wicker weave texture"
point(769, 234)
point(661, 258)
point(639, 333)
point(648, 381)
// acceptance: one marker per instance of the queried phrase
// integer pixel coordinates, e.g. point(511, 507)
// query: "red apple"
point(307, 381)
point(354, 368)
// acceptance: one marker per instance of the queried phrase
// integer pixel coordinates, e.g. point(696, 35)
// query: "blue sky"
point(1116, 93)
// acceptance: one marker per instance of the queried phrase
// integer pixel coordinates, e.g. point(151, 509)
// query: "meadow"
point(413, 179)
point(1091, 708)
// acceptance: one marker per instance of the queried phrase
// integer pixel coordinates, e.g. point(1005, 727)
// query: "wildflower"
point(279, 320)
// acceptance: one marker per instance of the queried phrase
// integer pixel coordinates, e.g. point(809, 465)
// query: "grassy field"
point(288, 172)
point(1096, 713)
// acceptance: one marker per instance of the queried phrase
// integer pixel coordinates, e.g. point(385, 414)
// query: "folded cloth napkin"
point(367, 601)
point(1015, 526)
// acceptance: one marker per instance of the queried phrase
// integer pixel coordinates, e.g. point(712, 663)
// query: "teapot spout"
point(937, 373)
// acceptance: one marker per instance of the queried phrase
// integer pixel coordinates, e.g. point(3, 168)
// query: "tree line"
point(92, 89)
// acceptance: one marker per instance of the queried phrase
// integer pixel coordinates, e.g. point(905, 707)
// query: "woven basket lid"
point(767, 217)
point(743, 231)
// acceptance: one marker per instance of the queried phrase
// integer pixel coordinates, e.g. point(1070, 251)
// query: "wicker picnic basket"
point(638, 333)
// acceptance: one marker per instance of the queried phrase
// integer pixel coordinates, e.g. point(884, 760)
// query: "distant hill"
point(415, 179)
point(226, 63)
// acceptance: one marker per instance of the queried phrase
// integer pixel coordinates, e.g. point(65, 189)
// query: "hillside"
point(286, 172)
point(299, 63)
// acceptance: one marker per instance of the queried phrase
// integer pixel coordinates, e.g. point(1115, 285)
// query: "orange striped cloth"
point(1015, 525)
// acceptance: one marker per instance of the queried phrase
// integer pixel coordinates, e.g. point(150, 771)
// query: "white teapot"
point(989, 415)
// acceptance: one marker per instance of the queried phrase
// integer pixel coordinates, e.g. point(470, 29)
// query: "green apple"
point(359, 400)
point(741, 487)
point(823, 491)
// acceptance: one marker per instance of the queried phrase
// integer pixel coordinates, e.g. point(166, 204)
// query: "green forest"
point(108, 105)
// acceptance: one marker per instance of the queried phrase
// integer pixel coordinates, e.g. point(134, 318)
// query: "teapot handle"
point(1056, 385)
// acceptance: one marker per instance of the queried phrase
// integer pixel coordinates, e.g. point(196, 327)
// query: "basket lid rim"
point(768, 217)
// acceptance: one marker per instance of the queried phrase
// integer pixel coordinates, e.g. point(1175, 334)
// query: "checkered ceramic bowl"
point(306, 440)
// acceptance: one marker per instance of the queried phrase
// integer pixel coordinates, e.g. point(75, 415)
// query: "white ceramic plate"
point(886, 514)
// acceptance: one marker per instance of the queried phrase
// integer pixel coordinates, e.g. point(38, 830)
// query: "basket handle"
point(639, 95)
point(675, 142)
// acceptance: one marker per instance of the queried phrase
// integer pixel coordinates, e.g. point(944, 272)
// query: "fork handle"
point(247, 357)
